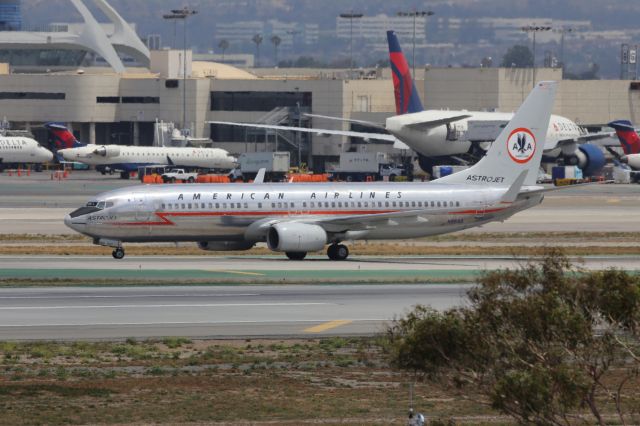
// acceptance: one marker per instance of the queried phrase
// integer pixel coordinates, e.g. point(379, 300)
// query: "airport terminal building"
point(118, 104)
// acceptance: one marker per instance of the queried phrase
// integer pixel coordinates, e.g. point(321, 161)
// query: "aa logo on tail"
point(521, 145)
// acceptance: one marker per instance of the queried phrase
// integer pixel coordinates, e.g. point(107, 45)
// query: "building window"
point(32, 96)
point(258, 101)
point(140, 100)
point(108, 99)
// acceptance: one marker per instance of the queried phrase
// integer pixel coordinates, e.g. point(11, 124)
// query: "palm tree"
point(276, 42)
point(223, 45)
point(257, 39)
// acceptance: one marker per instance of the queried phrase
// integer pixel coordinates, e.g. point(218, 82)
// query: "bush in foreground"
point(540, 343)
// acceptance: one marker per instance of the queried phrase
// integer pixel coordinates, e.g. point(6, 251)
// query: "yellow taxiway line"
point(327, 326)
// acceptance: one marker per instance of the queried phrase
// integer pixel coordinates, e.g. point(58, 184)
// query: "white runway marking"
point(133, 324)
point(203, 305)
point(127, 296)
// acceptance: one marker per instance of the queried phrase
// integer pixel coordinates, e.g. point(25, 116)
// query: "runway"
point(211, 312)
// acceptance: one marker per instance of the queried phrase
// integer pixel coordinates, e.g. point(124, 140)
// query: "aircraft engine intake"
point(296, 237)
point(225, 245)
point(107, 151)
point(589, 158)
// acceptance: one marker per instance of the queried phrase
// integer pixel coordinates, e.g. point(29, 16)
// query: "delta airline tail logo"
point(521, 145)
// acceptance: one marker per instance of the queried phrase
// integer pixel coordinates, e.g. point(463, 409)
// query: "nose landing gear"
point(118, 253)
point(338, 252)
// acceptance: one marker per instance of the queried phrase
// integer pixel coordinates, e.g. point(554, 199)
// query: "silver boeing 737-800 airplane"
point(301, 218)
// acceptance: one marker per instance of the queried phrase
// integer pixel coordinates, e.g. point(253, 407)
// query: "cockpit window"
point(92, 207)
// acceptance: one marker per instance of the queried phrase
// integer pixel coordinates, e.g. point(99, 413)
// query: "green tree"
point(539, 343)
point(590, 74)
point(518, 56)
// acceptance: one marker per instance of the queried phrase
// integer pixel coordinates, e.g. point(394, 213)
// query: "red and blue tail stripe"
point(627, 135)
point(61, 137)
point(407, 98)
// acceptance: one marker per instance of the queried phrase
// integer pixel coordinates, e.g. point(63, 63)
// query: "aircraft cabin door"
point(142, 209)
point(480, 208)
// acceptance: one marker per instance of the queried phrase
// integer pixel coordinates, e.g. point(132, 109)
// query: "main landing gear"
point(118, 253)
point(338, 252)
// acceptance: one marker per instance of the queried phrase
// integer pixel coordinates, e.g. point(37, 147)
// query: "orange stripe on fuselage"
point(167, 222)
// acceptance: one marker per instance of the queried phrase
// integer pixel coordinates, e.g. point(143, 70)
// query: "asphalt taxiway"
point(212, 312)
point(268, 269)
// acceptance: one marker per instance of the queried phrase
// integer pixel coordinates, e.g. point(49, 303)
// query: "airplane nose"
point(65, 154)
point(67, 222)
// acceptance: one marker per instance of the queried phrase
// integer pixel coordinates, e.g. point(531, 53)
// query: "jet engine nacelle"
point(589, 158)
point(225, 245)
point(107, 151)
point(296, 237)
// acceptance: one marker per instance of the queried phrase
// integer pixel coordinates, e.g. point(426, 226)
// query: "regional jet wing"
point(320, 132)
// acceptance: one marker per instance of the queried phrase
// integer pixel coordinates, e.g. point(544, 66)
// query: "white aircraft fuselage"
point(439, 141)
point(243, 213)
point(23, 150)
point(119, 155)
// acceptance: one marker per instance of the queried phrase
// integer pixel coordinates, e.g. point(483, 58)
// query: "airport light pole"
point(351, 16)
point(415, 14)
point(175, 15)
point(534, 29)
point(562, 32)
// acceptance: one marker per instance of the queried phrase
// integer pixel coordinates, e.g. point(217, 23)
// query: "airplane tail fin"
point(407, 98)
point(518, 148)
point(61, 137)
point(627, 135)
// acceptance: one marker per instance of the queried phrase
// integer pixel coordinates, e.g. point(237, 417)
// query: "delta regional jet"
point(129, 158)
point(22, 150)
point(300, 218)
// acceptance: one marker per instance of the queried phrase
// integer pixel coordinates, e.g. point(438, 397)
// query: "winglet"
point(260, 176)
point(512, 193)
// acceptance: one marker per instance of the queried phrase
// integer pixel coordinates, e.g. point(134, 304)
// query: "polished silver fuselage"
point(242, 212)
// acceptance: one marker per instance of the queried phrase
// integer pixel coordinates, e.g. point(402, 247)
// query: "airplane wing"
point(348, 120)
point(591, 137)
point(321, 132)
point(426, 125)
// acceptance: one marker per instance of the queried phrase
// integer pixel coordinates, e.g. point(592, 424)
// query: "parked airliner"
point(22, 150)
point(129, 158)
point(301, 218)
point(630, 142)
point(443, 137)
